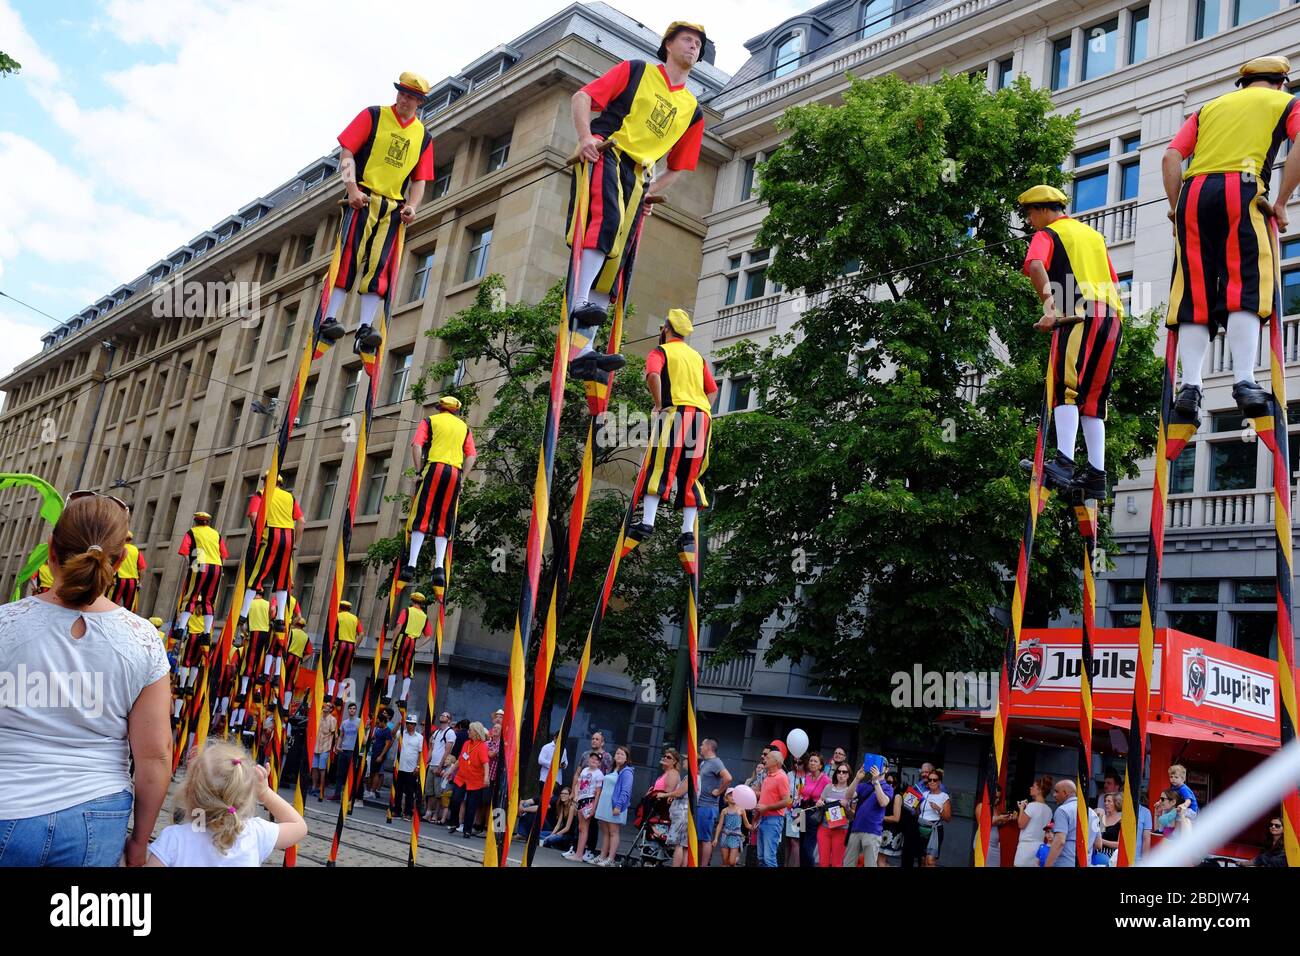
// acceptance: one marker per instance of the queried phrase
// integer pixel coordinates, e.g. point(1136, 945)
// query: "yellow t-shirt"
point(130, 566)
point(297, 642)
point(349, 627)
point(446, 439)
point(1240, 132)
point(207, 544)
point(682, 376)
point(259, 615)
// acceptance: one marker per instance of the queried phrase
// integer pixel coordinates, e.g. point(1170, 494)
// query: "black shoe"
point(331, 330)
point(1058, 474)
point(280, 627)
point(1090, 482)
point(587, 315)
point(1188, 402)
point(407, 574)
point(686, 541)
point(596, 366)
point(176, 722)
point(189, 691)
point(439, 577)
point(639, 533)
point(243, 623)
point(401, 704)
point(368, 340)
point(1251, 399)
point(385, 699)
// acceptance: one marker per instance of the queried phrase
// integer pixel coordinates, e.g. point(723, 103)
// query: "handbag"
point(834, 816)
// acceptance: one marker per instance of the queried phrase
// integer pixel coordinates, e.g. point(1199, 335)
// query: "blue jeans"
point(90, 834)
point(706, 818)
point(770, 830)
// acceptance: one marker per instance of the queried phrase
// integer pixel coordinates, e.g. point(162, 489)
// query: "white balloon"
point(797, 741)
point(745, 797)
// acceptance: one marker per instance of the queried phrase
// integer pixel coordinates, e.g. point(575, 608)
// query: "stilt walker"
point(126, 585)
point(1225, 275)
point(442, 449)
point(273, 563)
point(300, 648)
point(206, 549)
point(278, 642)
point(349, 630)
point(645, 113)
point(257, 627)
point(412, 626)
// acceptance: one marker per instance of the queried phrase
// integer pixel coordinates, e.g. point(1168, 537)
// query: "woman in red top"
point(470, 783)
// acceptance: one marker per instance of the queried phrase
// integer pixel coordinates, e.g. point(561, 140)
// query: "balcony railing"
point(757, 315)
point(1116, 223)
point(1223, 509)
point(735, 674)
point(1221, 359)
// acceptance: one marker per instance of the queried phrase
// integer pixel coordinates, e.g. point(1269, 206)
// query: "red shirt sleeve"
point(1293, 119)
point(1185, 139)
point(254, 505)
point(710, 386)
point(1040, 248)
point(421, 433)
point(424, 168)
point(354, 137)
point(608, 86)
point(686, 151)
point(401, 621)
point(224, 552)
point(186, 545)
point(297, 511)
point(142, 564)
point(469, 448)
point(428, 626)
point(361, 628)
point(654, 362)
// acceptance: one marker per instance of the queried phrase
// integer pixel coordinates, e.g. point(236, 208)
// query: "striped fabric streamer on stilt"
point(1038, 498)
point(1086, 516)
point(690, 558)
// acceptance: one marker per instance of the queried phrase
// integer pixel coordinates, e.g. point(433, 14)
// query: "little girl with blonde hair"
point(220, 825)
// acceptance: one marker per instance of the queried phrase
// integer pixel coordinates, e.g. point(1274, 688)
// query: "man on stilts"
point(646, 113)
point(682, 390)
point(255, 644)
point(300, 647)
point(1223, 256)
point(1073, 276)
point(345, 645)
point(386, 152)
point(126, 586)
point(207, 549)
point(413, 625)
point(274, 559)
point(443, 449)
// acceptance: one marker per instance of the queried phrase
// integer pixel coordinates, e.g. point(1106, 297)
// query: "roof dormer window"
point(788, 54)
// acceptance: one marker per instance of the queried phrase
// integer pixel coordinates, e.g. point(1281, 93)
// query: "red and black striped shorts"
point(1223, 253)
point(403, 659)
point(680, 456)
point(1085, 362)
point(274, 560)
point(341, 665)
point(434, 505)
point(126, 593)
point(367, 244)
point(201, 589)
point(617, 187)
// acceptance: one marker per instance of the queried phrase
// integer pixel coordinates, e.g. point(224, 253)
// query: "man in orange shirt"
point(773, 799)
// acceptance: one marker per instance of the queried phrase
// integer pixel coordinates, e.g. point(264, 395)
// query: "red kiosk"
point(1213, 708)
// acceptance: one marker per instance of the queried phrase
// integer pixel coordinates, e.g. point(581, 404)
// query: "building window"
point(1061, 63)
point(251, 339)
point(1202, 624)
point(398, 378)
point(1232, 466)
point(1254, 633)
point(420, 280)
point(1125, 592)
point(738, 396)
point(877, 16)
point(1243, 11)
point(1194, 592)
point(480, 244)
point(354, 578)
point(1101, 49)
point(305, 403)
point(1137, 34)
point(329, 479)
point(377, 475)
point(1256, 592)
point(441, 182)
point(1125, 618)
point(498, 153)
point(1290, 290)
point(305, 583)
point(755, 283)
point(1005, 75)
point(306, 246)
point(1207, 18)
point(1182, 473)
point(1091, 187)
point(747, 178)
point(232, 421)
point(351, 385)
point(288, 328)
point(788, 53)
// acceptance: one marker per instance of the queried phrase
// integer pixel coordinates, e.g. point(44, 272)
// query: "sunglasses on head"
point(95, 494)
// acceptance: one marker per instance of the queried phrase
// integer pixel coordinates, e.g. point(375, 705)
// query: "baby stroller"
point(650, 845)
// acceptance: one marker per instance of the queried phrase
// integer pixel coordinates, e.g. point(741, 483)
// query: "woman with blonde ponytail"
point(94, 696)
point(220, 825)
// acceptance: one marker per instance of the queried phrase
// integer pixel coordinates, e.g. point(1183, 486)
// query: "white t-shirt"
point(544, 758)
point(1040, 815)
point(182, 845)
point(441, 742)
point(412, 743)
point(55, 757)
point(928, 813)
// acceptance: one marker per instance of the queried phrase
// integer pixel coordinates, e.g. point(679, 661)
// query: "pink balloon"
point(744, 797)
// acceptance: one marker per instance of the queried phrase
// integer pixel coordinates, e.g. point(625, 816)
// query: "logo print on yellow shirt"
point(397, 148)
point(662, 116)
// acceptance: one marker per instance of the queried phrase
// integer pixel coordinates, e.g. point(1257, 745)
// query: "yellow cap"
point(130, 536)
point(419, 598)
point(346, 605)
point(299, 622)
point(203, 514)
point(1042, 194)
point(676, 27)
point(1264, 66)
point(156, 621)
point(412, 83)
point(449, 401)
point(680, 322)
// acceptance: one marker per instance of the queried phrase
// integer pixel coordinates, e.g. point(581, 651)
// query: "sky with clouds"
point(136, 124)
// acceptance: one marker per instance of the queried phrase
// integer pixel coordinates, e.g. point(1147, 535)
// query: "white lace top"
point(64, 703)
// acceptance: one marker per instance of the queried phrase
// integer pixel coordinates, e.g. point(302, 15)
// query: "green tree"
point(868, 505)
point(8, 64)
point(512, 348)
